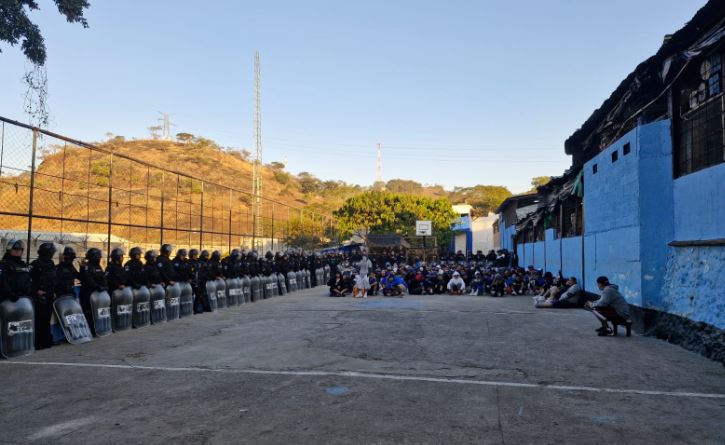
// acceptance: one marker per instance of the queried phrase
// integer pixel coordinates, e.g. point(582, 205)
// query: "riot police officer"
point(201, 300)
point(115, 273)
point(14, 273)
point(66, 273)
point(135, 273)
point(93, 279)
point(216, 270)
point(42, 288)
point(166, 268)
point(181, 266)
point(153, 276)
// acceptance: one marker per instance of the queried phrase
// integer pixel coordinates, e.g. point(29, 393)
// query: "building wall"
point(482, 228)
point(693, 285)
point(506, 234)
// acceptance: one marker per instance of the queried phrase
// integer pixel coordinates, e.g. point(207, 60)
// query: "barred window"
point(701, 135)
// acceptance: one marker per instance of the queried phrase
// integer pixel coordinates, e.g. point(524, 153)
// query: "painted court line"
point(376, 376)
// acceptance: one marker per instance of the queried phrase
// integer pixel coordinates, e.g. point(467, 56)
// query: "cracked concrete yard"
point(305, 368)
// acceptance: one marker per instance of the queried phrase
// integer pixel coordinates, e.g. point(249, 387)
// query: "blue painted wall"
point(694, 283)
point(699, 205)
point(506, 234)
point(633, 209)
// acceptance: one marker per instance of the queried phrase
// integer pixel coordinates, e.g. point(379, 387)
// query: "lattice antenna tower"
point(166, 125)
point(379, 165)
point(257, 166)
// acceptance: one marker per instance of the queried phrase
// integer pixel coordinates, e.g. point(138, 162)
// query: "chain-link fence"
point(53, 188)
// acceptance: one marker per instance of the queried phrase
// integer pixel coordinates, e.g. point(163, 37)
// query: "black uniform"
point(42, 288)
point(202, 272)
point(14, 278)
point(166, 269)
point(153, 276)
point(135, 273)
point(93, 279)
point(116, 276)
point(65, 278)
point(182, 269)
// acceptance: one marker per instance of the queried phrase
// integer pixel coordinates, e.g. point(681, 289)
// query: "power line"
point(379, 164)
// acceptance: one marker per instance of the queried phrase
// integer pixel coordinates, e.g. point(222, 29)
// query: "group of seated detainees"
point(392, 275)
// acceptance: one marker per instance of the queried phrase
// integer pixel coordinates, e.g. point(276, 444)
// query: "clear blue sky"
point(458, 92)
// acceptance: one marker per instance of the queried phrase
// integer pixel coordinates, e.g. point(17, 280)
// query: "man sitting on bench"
point(611, 306)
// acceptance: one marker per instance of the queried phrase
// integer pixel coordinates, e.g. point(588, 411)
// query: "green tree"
point(184, 138)
point(404, 186)
point(386, 212)
point(16, 26)
point(538, 181)
point(483, 198)
point(309, 183)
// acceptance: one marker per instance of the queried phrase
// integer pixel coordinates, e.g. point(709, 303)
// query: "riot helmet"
point(94, 256)
point(193, 254)
point(69, 254)
point(150, 256)
point(181, 253)
point(216, 255)
point(166, 249)
point(15, 245)
point(135, 253)
point(117, 255)
point(46, 251)
point(204, 255)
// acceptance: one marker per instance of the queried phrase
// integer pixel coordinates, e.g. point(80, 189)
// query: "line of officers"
point(44, 280)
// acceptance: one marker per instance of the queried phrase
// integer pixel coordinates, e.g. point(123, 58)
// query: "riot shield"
point(308, 279)
point(101, 313)
point(231, 284)
point(266, 288)
point(186, 300)
point(221, 293)
point(327, 275)
point(291, 282)
point(173, 296)
point(275, 287)
point(122, 309)
point(18, 328)
point(141, 307)
point(256, 288)
point(70, 317)
point(211, 294)
point(158, 304)
point(299, 276)
point(281, 284)
point(247, 289)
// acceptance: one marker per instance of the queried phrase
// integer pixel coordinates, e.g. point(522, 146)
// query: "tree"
point(386, 212)
point(16, 26)
point(184, 138)
point(155, 131)
point(404, 186)
point(538, 181)
point(309, 183)
point(483, 198)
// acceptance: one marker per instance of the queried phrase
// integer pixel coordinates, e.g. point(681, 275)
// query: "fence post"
point(201, 219)
point(272, 237)
point(110, 205)
point(32, 192)
point(161, 230)
point(229, 233)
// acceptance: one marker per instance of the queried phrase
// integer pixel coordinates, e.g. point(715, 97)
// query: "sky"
point(457, 92)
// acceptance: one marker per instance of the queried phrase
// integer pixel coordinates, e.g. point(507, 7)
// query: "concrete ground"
point(305, 368)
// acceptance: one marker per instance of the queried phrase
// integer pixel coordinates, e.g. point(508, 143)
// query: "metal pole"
point(32, 193)
point(273, 227)
point(110, 205)
point(201, 219)
point(163, 196)
point(229, 236)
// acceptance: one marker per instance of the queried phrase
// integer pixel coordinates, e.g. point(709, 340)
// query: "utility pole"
point(257, 166)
